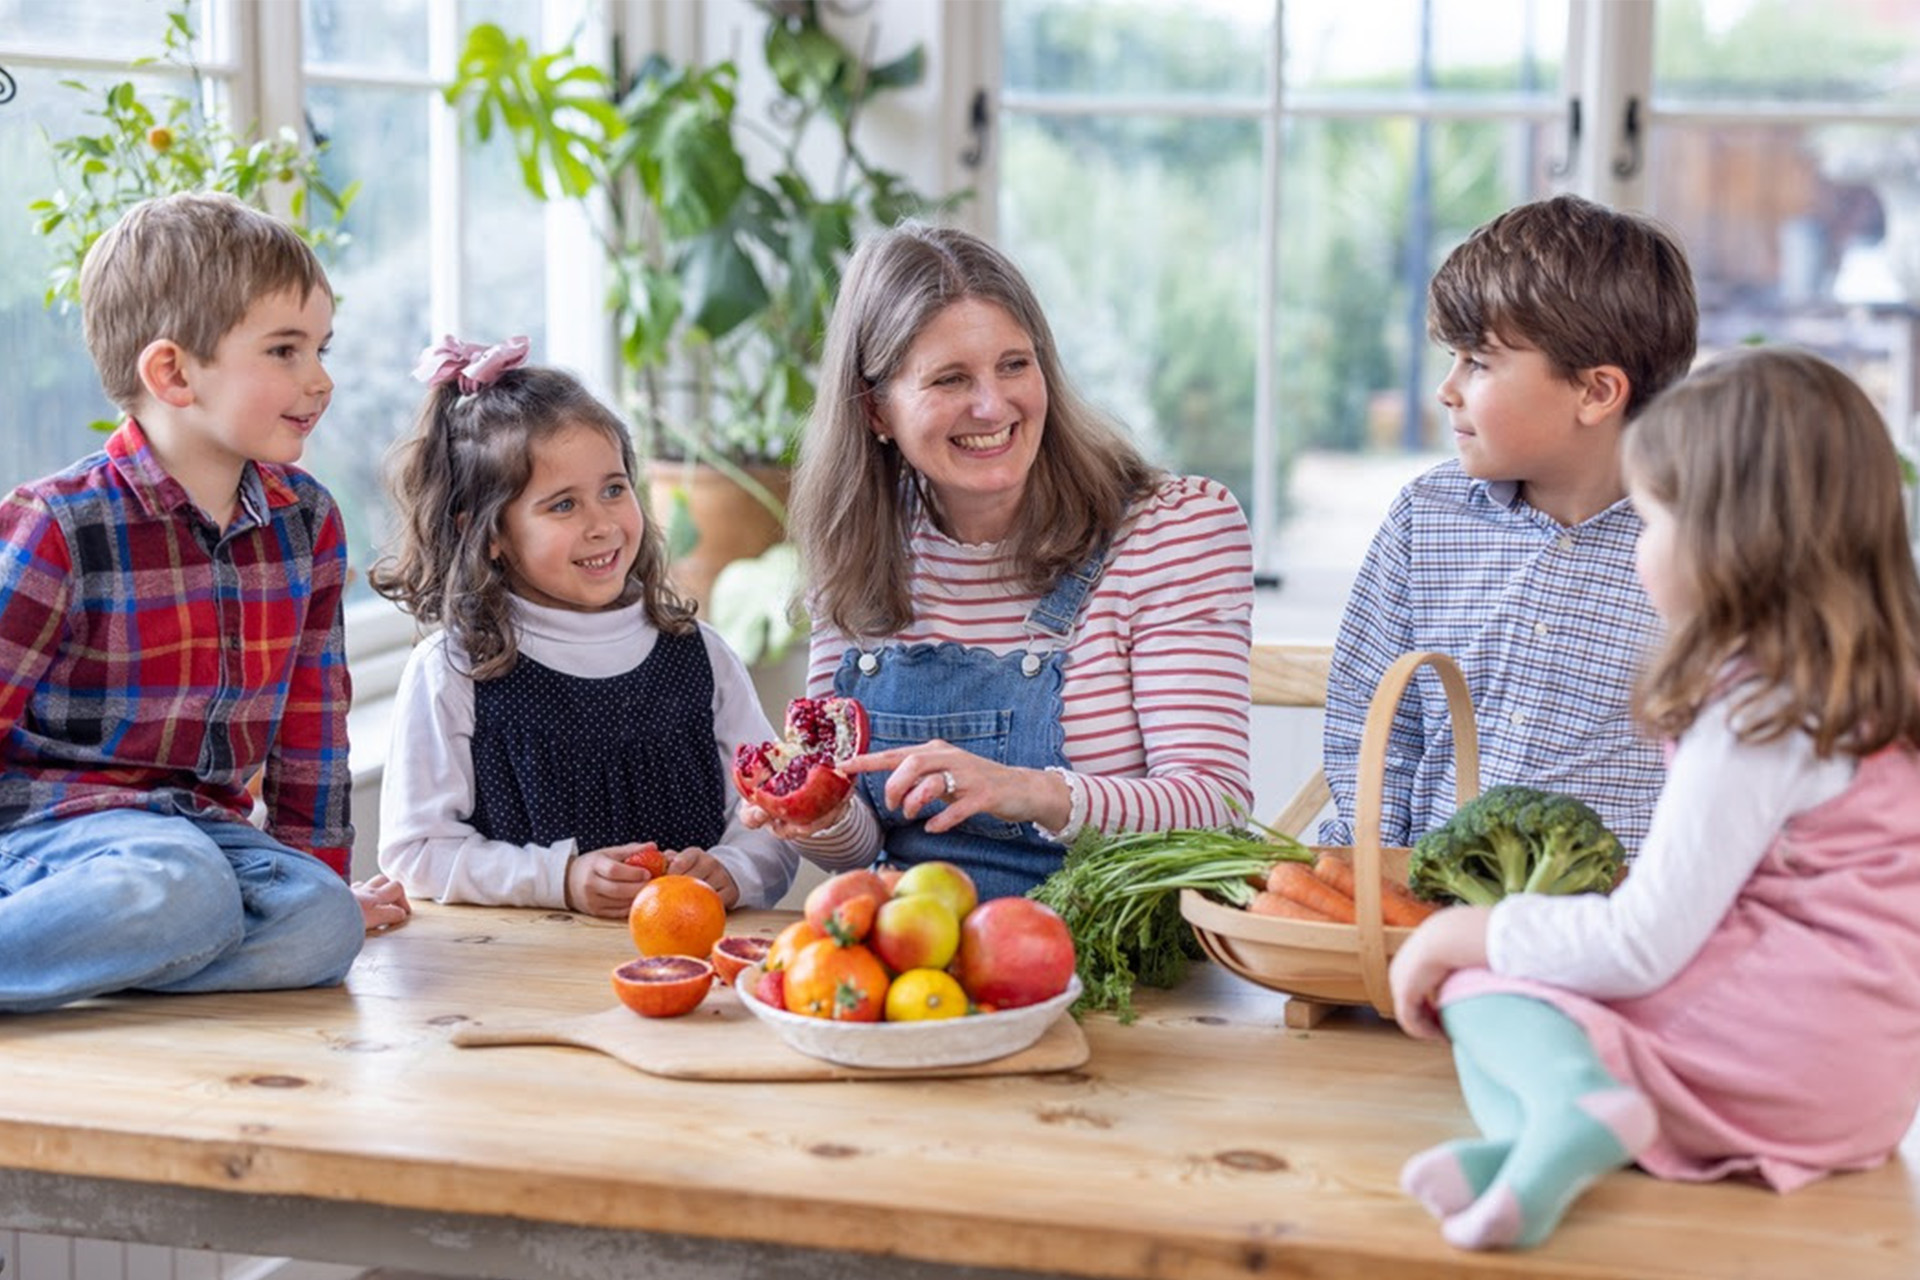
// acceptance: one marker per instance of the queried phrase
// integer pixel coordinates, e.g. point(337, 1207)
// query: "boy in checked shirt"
point(1563, 319)
point(170, 626)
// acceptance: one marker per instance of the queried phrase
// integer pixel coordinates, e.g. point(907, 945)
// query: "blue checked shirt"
point(1548, 624)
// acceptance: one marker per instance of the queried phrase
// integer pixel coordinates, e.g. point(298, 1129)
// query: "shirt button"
point(1565, 543)
point(1540, 628)
point(1517, 719)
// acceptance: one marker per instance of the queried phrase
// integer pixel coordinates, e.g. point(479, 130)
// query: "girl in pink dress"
point(1748, 1001)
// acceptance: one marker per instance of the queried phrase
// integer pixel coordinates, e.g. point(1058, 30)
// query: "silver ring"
point(948, 775)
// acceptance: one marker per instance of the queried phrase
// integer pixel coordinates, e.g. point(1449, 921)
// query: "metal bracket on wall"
point(1628, 165)
point(1564, 165)
point(977, 125)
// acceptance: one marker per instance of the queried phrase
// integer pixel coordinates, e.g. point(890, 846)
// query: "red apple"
point(915, 931)
point(1013, 952)
point(835, 906)
point(942, 880)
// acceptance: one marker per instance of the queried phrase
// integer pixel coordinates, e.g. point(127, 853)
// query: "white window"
point(427, 226)
point(1231, 209)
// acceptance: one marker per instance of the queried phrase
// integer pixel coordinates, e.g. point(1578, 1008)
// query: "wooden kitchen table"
point(1205, 1140)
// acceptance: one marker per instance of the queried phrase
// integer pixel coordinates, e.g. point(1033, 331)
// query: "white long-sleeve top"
point(1724, 803)
point(1155, 699)
point(427, 841)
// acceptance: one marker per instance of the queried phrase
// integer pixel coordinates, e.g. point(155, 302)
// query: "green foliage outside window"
point(168, 143)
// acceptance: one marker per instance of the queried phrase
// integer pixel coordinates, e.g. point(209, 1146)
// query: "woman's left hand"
point(1448, 940)
point(968, 783)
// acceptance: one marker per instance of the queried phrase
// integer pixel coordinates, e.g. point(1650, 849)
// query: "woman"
point(1048, 634)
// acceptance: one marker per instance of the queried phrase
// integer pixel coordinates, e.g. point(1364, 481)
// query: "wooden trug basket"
point(1323, 966)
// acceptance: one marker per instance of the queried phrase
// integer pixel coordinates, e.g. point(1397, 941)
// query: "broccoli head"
point(1515, 839)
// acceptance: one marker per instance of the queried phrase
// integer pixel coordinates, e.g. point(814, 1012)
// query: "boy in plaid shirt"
point(1563, 318)
point(170, 626)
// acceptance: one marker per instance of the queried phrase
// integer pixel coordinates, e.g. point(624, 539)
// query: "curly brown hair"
point(451, 481)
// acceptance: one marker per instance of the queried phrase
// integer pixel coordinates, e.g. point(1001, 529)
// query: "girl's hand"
point(1452, 939)
point(702, 865)
point(969, 784)
point(383, 903)
point(602, 883)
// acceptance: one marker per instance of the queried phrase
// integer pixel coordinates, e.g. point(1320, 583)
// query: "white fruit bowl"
point(943, 1042)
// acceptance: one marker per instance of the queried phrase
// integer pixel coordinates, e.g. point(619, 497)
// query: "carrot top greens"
point(1120, 897)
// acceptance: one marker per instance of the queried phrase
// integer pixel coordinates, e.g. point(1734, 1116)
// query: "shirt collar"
point(158, 493)
point(1505, 495)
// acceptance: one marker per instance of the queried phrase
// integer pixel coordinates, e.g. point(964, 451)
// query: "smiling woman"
point(1047, 633)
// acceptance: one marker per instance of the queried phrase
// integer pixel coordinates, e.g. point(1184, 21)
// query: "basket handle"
point(1368, 859)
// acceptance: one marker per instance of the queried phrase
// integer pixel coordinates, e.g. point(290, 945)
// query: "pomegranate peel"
point(797, 778)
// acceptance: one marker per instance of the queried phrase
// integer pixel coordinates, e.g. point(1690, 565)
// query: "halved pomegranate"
point(738, 951)
point(663, 986)
point(797, 778)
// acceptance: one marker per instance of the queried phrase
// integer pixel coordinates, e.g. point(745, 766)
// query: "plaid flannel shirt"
point(153, 661)
point(1548, 624)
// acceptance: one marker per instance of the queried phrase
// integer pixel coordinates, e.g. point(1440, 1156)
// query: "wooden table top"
point(1205, 1140)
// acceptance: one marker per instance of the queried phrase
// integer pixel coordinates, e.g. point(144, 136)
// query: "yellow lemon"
point(920, 994)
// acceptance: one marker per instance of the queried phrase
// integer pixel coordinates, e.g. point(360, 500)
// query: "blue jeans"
point(127, 900)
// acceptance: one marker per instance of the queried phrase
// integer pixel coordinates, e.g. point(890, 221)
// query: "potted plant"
point(725, 249)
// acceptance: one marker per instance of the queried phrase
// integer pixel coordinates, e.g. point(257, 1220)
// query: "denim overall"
point(1002, 708)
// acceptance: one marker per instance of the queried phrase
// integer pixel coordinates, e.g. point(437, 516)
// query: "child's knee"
point(319, 927)
point(187, 891)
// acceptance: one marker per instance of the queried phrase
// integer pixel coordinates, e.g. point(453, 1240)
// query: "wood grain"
point(1204, 1141)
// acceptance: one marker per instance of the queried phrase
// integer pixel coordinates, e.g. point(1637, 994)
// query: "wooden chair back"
point(1294, 675)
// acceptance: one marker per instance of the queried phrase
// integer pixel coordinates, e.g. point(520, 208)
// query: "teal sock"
point(1451, 1176)
point(1578, 1123)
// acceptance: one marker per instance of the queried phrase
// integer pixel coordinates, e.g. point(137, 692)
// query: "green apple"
point(944, 881)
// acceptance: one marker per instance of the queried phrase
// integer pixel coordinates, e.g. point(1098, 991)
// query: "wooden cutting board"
point(720, 1040)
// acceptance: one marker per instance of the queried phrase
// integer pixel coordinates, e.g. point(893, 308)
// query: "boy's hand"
point(702, 865)
point(383, 903)
point(602, 882)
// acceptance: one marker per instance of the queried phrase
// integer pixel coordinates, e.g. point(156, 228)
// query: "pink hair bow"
point(471, 364)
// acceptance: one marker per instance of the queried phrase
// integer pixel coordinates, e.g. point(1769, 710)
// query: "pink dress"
point(1789, 1046)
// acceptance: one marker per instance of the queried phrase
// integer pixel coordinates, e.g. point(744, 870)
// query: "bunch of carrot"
point(1323, 891)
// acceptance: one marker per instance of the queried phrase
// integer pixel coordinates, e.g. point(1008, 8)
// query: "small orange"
point(788, 943)
point(677, 916)
point(827, 980)
point(662, 986)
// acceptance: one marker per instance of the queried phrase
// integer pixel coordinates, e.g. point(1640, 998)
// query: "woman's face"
point(966, 408)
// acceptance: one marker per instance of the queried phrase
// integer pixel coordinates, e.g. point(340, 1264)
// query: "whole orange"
point(827, 980)
point(788, 944)
point(677, 916)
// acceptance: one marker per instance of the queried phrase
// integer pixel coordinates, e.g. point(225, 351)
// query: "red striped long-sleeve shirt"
point(1155, 699)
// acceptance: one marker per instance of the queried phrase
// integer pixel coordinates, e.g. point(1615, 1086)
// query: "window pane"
point(504, 293)
point(1772, 50)
point(1364, 223)
point(52, 392)
point(389, 34)
point(1115, 47)
point(1148, 290)
point(1479, 46)
point(97, 28)
point(381, 325)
